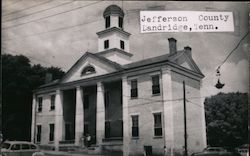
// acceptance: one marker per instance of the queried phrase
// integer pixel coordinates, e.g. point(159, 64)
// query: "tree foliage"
point(19, 78)
point(227, 120)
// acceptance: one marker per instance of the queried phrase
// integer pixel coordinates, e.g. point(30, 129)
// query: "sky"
point(59, 32)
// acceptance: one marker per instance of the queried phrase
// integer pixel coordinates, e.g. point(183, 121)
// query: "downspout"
point(34, 134)
point(163, 114)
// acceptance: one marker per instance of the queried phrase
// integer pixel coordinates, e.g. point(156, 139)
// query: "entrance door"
point(68, 130)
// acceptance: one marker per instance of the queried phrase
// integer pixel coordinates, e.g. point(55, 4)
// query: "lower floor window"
point(39, 133)
point(51, 132)
point(157, 124)
point(135, 126)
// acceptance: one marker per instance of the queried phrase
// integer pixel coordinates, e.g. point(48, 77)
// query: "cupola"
point(113, 41)
point(113, 15)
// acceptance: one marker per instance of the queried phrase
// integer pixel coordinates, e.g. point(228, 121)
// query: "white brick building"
point(123, 105)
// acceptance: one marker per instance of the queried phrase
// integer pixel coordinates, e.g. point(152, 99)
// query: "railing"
point(112, 139)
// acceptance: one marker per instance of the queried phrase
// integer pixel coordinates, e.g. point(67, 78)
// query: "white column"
point(125, 116)
point(59, 121)
point(168, 110)
point(33, 123)
point(100, 113)
point(79, 120)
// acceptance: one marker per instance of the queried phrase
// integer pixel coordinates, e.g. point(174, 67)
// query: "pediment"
point(186, 65)
point(185, 60)
point(89, 65)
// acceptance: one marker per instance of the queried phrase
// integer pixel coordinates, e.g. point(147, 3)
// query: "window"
point(107, 22)
point(134, 90)
point(51, 132)
point(86, 101)
point(157, 124)
point(120, 22)
point(88, 70)
point(32, 146)
point(122, 44)
point(135, 126)
point(5, 146)
point(16, 147)
point(40, 104)
point(107, 129)
point(52, 102)
point(25, 146)
point(106, 44)
point(156, 84)
point(39, 132)
point(107, 98)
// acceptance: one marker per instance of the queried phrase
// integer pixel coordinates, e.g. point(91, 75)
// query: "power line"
point(233, 50)
point(36, 5)
point(194, 103)
point(13, 3)
point(58, 29)
point(55, 30)
point(37, 12)
point(52, 15)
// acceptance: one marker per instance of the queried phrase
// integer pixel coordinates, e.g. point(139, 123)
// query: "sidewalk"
point(60, 153)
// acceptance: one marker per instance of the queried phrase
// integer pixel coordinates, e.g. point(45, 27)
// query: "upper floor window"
point(134, 90)
point(106, 44)
point(88, 70)
point(155, 84)
point(122, 44)
point(107, 22)
point(157, 124)
point(52, 102)
point(120, 22)
point(40, 104)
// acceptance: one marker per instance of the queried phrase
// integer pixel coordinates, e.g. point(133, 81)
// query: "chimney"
point(188, 50)
point(172, 45)
point(48, 78)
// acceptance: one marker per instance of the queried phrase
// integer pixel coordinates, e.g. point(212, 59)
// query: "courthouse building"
point(123, 105)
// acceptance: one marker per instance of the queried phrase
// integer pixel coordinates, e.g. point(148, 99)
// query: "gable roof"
point(147, 61)
point(181, 53)
point(167, 58)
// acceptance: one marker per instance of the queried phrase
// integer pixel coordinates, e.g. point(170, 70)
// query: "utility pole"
point(185, 120)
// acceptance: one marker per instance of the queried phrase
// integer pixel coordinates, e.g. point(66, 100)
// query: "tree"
point(226, 118)
point(19, 78)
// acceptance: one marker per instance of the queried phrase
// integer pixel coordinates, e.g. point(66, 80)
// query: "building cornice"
point(157, 66)
point(113, 29)
point(112, 50)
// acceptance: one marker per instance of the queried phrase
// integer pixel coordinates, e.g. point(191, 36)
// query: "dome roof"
point(113, 10)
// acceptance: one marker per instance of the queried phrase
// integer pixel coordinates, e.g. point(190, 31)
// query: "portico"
point(90, 110)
